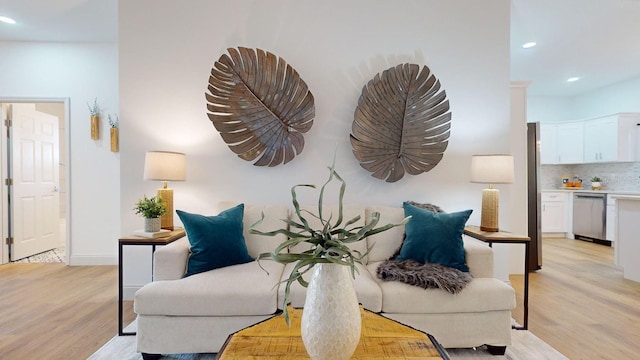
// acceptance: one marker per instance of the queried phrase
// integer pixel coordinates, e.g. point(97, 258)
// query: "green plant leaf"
point(150, 207)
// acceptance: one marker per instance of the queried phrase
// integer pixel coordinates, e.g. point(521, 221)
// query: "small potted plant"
point(151, 209)
point(596, 183)
point(95, 119)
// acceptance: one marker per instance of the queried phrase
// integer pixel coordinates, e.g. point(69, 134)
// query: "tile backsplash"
point(615, 176)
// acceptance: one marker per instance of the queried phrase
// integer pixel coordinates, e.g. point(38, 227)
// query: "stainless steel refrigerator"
point(534, 207)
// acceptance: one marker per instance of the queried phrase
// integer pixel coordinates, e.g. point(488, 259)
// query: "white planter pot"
point(152, 224)
point(331, 320)
point(596, 185)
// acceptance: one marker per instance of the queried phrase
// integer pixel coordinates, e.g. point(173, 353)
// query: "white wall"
point(79, 72)
point(166, 55)
point(549, 108)
point(616, 98)
point(517, 220)
point(620, 97)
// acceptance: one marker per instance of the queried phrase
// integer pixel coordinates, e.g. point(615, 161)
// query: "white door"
point(4, 205)
point(35, 204)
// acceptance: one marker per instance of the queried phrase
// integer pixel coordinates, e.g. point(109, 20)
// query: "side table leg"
point(525, 324)
point(121, 294)
point(526, 287)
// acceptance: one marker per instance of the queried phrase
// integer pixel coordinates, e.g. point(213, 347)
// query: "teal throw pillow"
point(216, 241)
point(434, 237)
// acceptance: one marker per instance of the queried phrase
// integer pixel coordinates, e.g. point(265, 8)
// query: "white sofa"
point(196, 314)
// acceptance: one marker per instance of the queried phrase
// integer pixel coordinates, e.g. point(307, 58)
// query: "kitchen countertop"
point(626, 197)
point(586, 190)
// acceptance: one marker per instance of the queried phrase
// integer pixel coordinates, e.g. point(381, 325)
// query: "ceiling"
point(596, 40)
point(60, 20)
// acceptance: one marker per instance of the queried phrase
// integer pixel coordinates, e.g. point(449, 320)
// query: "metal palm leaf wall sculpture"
point(260, 106)
point(401, 123)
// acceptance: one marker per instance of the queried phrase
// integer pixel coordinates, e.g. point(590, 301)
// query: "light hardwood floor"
point(53, 311)
point(579, 304)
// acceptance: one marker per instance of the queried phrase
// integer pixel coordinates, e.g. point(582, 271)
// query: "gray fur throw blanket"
point(427, 276)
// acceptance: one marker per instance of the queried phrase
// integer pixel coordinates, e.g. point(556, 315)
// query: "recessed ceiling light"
point(572, 79)
point(7, 20)
point(528, 45)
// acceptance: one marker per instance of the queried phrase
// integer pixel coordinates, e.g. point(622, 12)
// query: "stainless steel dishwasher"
point(590, 216)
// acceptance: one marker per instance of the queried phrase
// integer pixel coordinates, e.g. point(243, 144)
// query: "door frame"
point(4, 253)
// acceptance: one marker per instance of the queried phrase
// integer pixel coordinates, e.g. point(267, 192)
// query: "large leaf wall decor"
point(401, 123)
point(260, 106)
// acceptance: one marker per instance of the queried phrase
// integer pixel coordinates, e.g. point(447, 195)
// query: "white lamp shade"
point(492, 169)
point(164, 166)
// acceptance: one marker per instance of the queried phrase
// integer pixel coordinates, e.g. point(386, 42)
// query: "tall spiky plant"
point(327, 245)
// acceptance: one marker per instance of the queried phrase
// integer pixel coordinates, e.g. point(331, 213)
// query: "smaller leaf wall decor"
point(260, 106)
point(401, 124)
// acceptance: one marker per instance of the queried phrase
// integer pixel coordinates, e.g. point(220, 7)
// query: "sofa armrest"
point(479, 258)
point(170, 261)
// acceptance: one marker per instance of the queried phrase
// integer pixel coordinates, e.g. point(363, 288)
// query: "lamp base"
point(489, 217)
point(166, 220)
point(488, 229)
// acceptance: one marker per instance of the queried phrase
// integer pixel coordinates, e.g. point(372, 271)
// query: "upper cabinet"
point(548, 143)
point(561, 143)
point(609, 138)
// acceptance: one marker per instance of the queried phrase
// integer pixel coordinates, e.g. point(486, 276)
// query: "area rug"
point(525, 346)
point(52, 256)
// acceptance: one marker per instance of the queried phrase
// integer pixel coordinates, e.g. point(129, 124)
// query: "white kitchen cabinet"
point(561, 143)
point(627, 245)
point(554, 212)
point(548, 143)
point(570, 142)
point(610, 138)
point(611, 219)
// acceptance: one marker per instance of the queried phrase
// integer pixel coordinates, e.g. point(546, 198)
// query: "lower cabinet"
point(611, 219)
point(554, 212)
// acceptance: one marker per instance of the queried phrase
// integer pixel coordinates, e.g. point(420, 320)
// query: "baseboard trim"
point(554, 234)
point(88, 260)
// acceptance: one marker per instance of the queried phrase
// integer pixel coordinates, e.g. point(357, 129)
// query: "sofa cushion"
point(273, 220)
point(481, 294)
point(237, 290)
point(434, 237)
point(216, 241)
point(386, 243)
point(367, 290)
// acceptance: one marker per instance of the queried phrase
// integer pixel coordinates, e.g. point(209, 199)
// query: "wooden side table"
point(505, 237)
point(139, 240)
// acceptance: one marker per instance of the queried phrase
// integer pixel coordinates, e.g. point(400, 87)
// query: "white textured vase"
point(331, 319)
point(152, 224)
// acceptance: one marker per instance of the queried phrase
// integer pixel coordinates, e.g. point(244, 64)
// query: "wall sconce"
point(165, 166)
point(491, 169)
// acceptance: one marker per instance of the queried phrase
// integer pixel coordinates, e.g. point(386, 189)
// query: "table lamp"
point(165, 166)
point(491, 169)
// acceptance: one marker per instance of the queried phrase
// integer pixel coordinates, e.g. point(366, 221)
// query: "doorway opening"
point(34, 163)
